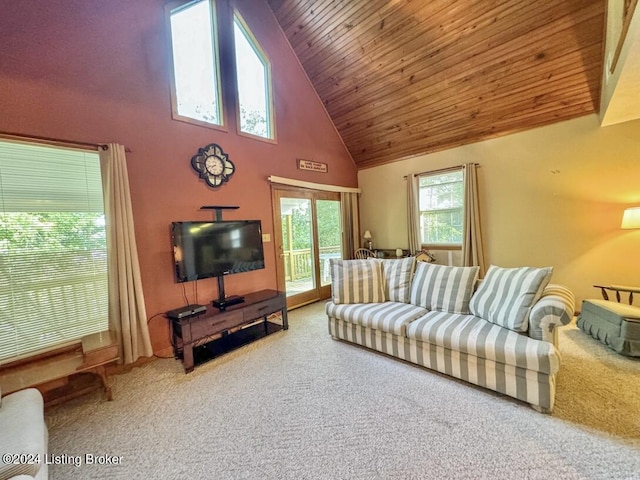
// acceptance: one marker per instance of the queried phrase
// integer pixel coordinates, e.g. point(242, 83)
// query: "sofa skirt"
point(614, 324)
point(535, 388)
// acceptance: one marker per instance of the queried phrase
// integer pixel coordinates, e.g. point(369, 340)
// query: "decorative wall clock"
point(213, 165)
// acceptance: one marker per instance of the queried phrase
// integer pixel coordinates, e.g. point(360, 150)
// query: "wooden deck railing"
point(47, 296)
point(298, 264)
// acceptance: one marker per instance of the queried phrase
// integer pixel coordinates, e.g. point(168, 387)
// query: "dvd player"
point(223, 303)
point(188, 311)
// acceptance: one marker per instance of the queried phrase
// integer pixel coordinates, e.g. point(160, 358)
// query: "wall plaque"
point(313, 166)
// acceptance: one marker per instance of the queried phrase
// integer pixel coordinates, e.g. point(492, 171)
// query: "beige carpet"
point(299, 405)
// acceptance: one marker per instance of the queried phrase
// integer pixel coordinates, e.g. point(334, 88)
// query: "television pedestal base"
point(222, 303)
point(193, 331)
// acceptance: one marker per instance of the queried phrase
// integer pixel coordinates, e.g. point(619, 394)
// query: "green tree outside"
point(441, 207)
point(51, 232)
point(329, 229)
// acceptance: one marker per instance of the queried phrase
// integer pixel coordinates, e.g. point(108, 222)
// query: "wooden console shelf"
point(190, 332)
point(98, 350)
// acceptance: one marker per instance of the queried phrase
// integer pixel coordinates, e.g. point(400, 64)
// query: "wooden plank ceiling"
point(407, 77)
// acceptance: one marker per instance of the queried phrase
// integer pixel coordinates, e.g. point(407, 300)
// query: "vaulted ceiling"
point(407, 77)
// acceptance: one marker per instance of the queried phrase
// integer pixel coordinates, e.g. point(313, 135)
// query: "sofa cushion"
point(506, 295)
point(397, 275)
point(475, 336)
point(442, 288)
point(356, 281)
point(391, 317)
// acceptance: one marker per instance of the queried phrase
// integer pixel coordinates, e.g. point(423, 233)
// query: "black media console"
point(194, 330)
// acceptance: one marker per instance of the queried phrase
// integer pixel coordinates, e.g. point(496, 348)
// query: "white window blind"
point(53, 258)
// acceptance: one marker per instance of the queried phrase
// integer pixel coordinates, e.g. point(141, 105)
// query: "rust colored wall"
point(97, 71)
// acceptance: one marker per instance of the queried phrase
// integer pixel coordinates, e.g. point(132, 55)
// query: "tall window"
point(254, 83)
point(53, 258)
point(441, 208)
point(196, 85)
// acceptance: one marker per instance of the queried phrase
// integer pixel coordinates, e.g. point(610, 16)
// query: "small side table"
point(618, 289)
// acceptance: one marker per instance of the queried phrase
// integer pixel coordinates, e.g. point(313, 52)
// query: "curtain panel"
point(413, 214)
point(350, 223)
point(127, 313)
point(472, 248)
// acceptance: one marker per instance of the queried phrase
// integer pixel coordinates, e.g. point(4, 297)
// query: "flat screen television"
point(214, 249)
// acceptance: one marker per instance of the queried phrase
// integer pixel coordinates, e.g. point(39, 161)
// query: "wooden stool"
point(98, 351)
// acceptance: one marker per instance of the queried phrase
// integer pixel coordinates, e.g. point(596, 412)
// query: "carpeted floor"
point(299, 405)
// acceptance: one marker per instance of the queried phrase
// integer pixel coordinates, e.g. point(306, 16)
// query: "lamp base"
point(369, 244)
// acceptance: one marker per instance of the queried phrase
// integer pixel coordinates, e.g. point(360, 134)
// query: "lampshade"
point(631, 218)
point(367, 234)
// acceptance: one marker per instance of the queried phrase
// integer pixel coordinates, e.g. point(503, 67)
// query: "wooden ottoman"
point(615, 324)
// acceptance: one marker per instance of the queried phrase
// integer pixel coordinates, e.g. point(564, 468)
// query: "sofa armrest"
point(555, 307)
point(22, 431)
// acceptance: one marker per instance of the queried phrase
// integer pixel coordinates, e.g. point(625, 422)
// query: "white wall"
point(549, 196)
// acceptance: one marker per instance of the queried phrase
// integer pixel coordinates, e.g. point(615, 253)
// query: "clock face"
point(213, 165)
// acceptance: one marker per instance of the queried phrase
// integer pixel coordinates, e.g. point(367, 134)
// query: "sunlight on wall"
point(549, 196)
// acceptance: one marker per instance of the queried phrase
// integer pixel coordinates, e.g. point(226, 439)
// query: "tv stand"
point(193, 331)
point(222, 303)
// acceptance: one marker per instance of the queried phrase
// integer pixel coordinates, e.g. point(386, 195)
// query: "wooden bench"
point(98, 351)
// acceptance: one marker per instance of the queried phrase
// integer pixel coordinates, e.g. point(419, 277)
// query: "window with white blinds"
point(53, 255)
point(441, 208)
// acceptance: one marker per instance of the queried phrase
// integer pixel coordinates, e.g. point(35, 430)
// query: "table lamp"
point(367, 236)
point(631, 218)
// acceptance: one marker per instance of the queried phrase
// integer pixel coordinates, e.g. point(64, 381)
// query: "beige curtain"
point(413, 214)
point(350, 223)
point(127, 314)
point(472, 251)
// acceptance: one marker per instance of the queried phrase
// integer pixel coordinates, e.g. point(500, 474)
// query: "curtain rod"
point(441, 170)
point(57, 142)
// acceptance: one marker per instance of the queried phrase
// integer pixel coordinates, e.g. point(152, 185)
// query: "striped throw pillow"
point(506, 295)
point(442, 288)
point(397, 275)
point(356, 281)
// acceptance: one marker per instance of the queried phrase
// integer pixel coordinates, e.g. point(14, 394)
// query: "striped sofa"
point(501, 335)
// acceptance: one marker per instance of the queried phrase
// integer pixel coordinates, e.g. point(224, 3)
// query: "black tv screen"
point(213, 249)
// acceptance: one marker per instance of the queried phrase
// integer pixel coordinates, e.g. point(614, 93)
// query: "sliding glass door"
point(308, 234)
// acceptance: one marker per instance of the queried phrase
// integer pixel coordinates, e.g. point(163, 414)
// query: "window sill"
point(27, 359)
point(442, 247)
point(257, 137)
point(199, 123)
